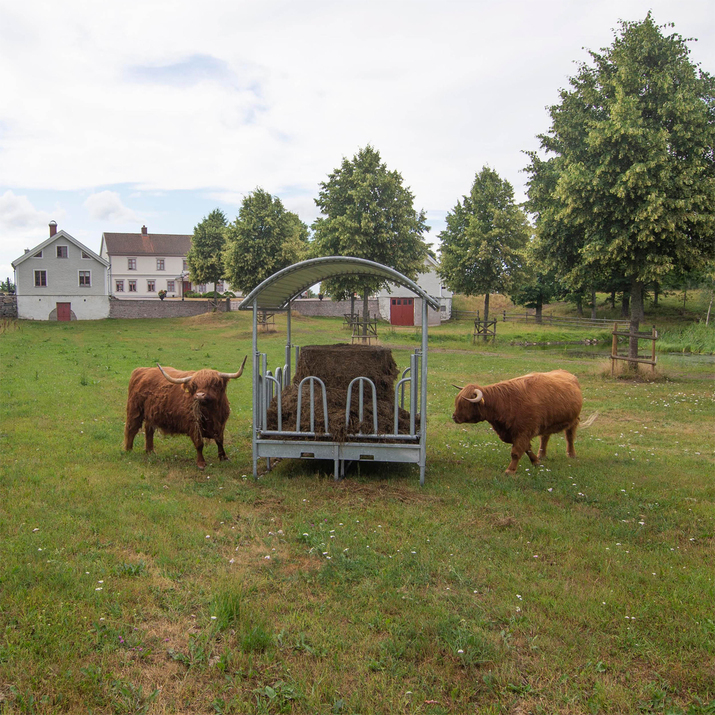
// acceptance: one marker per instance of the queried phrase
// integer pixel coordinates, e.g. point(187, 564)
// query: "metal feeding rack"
point(315, 437)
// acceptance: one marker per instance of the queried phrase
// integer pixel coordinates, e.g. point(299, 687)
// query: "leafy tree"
point(537, 285)
point(629, 190)
point(263, 239)
point(368, 213)
point(205, 257)
point(482, 246)
point(7, 286)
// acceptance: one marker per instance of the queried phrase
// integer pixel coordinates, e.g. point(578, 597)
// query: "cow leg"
point(132, 426)
point(542, 445)
point(517, 452)
point(534, 459)
point(221, 452)
point(148, 438)
point(570, 436)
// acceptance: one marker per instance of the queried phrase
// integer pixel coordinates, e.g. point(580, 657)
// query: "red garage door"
point(402, 311)
point(64, 311)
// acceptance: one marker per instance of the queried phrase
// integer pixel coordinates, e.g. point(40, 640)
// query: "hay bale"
point(337, 365)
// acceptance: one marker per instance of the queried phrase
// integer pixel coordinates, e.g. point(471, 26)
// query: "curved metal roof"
point(279, 289)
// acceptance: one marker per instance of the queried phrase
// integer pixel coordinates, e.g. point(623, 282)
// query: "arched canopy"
point(276, 292)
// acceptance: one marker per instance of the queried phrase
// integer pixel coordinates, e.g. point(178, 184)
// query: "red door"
point(402, 311)
point(64, 311)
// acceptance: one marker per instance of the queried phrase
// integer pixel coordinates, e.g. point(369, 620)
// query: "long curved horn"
point(234, 375)
point(478, 396)
point(458, 387)
point(175, 380)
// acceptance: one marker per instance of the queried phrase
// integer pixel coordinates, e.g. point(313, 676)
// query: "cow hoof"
point(223, 458)
point(511, 472)
point(201, 466)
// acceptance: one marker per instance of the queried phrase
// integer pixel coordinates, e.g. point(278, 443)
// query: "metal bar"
point(254, 431)
point(414, 370)
point(288, 342)
point(423, 401)
point(400, 385)
point(361, 405)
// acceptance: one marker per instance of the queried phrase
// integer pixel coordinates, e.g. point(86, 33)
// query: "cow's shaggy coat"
point(178, 402)
point(537, 404)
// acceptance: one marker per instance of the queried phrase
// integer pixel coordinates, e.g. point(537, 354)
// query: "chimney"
point(53, 228)
point(144, 231)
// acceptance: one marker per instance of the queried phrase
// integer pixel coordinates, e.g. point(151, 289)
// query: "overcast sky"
point(118, 114)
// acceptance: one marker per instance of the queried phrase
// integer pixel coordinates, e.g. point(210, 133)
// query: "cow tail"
point(588, 422)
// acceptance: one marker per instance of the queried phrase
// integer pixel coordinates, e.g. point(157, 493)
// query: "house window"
point(41, 279)
point(85, 279)
point(62, 252)
point(185, 266)
point(132, 286)
point(170, 286)
point(85, 254)
point(151, 286)
point(119, 286)
point(159, 264)
point(38, 255)
point(131, 264)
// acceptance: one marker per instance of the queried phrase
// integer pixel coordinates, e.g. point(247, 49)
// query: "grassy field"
point(135, 584)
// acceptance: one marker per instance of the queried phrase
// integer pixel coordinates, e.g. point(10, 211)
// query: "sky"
point(115, 115)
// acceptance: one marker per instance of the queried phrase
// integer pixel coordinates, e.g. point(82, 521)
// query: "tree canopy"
point(263, 239)
point(628, 186)
point(368, 213)
point(486, 233)
point(205, 258)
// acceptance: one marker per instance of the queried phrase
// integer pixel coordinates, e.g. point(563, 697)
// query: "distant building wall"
point(44, 307)
point(163, 308)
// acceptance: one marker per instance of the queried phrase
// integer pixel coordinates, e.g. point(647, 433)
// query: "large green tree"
point(263, 239)
point(627, 188)
point(482, 245)
point(205, 258)
point(368, 213)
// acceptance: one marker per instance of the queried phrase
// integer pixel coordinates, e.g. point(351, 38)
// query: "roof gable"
point(62, 236)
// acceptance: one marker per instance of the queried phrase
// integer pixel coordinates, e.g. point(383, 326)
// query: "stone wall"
point(313, 307)
point(8, 306)
point(168, 308)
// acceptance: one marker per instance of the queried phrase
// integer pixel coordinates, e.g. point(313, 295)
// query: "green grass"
point(134, 584)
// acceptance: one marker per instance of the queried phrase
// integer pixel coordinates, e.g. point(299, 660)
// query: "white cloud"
point(108, 206)
point(18, 212)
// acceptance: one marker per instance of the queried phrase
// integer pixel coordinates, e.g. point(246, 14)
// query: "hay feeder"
point(379, 420)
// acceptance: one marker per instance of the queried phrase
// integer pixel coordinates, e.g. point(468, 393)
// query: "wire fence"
point(544, 319)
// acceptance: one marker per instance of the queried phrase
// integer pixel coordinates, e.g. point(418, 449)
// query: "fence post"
point(655, 335)
point(614, 347)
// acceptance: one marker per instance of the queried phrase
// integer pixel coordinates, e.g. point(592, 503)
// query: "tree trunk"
point(593, 304)
point(352, 304)
point(539, 312)
point(486, 307)
point(636, 313)
point(625, 305)
point(579, 305)
point(613, 299)
point(656, 293)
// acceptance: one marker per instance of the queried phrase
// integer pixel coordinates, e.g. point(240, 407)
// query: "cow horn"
point(458, 387)
point(478, 396)
point(175, 380)
point(233, 375)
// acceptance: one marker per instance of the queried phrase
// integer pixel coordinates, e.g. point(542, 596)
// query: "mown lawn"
point(135, 584)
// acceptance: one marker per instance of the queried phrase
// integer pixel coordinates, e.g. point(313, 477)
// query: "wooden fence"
point(652, 336)
point(546, 319)
point(485, 329)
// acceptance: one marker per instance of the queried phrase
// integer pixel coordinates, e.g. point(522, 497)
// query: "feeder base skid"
point(339, 453)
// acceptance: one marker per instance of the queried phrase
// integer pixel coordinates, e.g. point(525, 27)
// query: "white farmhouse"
point(400, 306)
point(142, 264)
point(61, 279)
